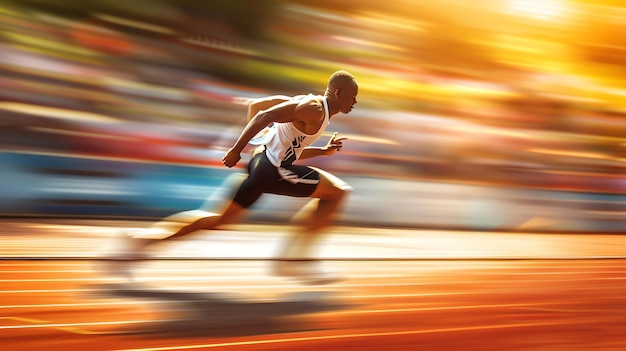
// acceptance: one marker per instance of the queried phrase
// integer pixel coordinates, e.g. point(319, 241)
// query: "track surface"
point(441, 291)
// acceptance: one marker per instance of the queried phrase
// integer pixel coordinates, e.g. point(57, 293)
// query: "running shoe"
point(309, 272)
point(121, 257)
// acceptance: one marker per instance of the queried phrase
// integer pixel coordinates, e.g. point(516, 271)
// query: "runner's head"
point(342, 89)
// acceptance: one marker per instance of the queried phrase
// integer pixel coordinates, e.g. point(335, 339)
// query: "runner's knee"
point(333, 190)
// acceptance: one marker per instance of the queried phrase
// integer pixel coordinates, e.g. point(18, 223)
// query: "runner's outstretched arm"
point(334, 145)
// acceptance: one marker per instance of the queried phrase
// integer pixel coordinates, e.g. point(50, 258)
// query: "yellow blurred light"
point(548, 10)
point(509, 46)
point(81, 134)
point(56, 113)
point(478, 129)
point(149, 89)
point(478, 90)
point(135, 24)
point(389, 21)
point(55, 20)
point(368, 43)
point(49, 44)
point(592, 155)
point(541, 66)
point(6, 11)
point(218, 45)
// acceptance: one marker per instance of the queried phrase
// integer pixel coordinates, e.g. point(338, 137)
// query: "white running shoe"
point(308, 272)
point(121, 257)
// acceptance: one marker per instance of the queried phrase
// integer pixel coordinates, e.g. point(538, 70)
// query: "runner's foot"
point(121, 257)
point(308, 272)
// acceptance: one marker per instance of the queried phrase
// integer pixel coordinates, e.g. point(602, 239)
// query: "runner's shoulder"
point(310, 105)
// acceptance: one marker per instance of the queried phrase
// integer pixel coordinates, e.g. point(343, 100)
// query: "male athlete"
point(285, 128)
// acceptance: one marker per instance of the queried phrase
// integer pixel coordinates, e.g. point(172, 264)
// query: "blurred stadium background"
point(503, 115)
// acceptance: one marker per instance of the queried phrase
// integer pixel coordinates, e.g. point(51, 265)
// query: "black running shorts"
point(264, 177)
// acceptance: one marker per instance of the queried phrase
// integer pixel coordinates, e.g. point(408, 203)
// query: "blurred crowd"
point(523, 94)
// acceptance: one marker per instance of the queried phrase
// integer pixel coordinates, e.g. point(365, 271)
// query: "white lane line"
point(52, 291)
point(559, 273)
point(53, 280)
point(40, 263)
point(257, 277)
point(83, 324)
point(60, 262)
point(49, 271)
point(161, 279)
point(444, 308)
point(419, 309)
point(382, 296)
point(356, 335)
point(535, 261)
point(417, 270)
point(478, 265)
point(270, 285)
point(143, 271)
point(199, 278)
point(247, 299)
point(282, 288)
point(87, 304)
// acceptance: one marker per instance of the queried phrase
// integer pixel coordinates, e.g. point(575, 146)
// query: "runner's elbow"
point(263, 119)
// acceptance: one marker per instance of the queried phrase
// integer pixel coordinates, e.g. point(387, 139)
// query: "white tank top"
point(287, 142)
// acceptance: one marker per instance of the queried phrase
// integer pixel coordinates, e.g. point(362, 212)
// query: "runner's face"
point(348, 97)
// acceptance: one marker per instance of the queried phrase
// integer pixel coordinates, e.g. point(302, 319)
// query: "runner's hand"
point(334, 144)
point(231, 158)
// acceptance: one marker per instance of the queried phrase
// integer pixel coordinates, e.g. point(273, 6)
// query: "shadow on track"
point(196, 314)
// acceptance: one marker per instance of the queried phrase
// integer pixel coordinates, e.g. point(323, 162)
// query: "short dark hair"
point(340, 78)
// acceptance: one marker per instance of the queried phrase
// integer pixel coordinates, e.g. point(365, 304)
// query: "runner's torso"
point(287, 141)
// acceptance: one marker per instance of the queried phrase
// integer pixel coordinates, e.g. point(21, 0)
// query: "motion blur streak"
point(510, 109)
point(489, 136)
